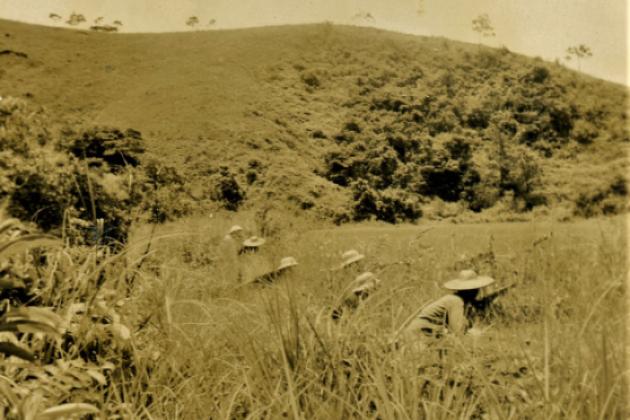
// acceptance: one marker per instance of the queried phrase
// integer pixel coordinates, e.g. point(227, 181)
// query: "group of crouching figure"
point(452, 314)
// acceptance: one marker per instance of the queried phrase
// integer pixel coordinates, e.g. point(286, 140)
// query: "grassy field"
point(165, 326)
point(555, 349)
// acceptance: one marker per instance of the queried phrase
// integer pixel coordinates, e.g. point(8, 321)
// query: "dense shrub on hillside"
point(390, 205)
point(50, 172)
point(476, 132)
point(226, 190)
point(606, 198)
point(119, 149)
point(165, 194)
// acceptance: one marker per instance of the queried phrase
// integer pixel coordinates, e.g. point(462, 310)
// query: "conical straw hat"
point(287, 262)
point(253, 242)
point(468, 280)
point(364, 282)
point(234, 229)
point(350, 257)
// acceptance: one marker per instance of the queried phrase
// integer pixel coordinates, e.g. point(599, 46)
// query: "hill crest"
point(280, 101)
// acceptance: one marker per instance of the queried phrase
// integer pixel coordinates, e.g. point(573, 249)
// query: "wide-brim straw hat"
point(234, 229)
point(287, 262)
point(253, 242)
point(364, 282)
point(350, 257)
point(468, 280)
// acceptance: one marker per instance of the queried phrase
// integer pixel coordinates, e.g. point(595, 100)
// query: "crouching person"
point(358, 291)
point(450, 314)
point(287, 264)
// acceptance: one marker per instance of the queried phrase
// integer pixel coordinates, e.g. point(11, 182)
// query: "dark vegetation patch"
point(14, 53)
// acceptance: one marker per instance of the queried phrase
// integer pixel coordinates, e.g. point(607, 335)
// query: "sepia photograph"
point(314, 209)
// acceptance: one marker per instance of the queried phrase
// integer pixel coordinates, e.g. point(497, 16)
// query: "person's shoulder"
point(228, 238)
point(451, 300)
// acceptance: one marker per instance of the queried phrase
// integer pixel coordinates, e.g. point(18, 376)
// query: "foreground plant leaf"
point(8, 224)
point(24, 243)
point(63, 411)
point(11, 349)
point(31, 319)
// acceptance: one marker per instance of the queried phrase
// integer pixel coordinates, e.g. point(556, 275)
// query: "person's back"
point(446, 312)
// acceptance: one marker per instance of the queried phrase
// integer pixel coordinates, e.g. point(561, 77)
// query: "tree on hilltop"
point(420, 9)
point(363, 16)
point(117, 23)
point(75, 19)
point(579, 52)
point(192, 21)
point(55, 17)
point(483, 26)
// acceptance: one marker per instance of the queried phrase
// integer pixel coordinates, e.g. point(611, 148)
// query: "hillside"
point(342, 122)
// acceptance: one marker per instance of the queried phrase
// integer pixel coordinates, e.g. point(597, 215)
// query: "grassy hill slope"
point(311, 110)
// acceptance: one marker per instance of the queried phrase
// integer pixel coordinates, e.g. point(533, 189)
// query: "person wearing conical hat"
point(286, 265)
point(358, 291)
point(232, 239)
point(251, 245)
point(252, 261)
point(349, 258)
point(228, 252)
point(235, 233)
point(450, 313)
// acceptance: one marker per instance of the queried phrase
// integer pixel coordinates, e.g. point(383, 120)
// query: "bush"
point(165, 194)
point(604, 199)
point(390, 205)
point(49, 172)
point(227, 191)
point(117, 148)
point(311, 80)
point(538, 74)
point(584, 132)
point(478, 118)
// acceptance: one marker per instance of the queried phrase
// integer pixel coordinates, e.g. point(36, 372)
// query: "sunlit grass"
point(557, 350)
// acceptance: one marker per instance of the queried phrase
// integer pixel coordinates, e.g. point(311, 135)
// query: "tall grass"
point(165, 329)
point(555, 351)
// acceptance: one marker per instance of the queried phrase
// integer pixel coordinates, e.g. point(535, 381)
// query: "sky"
point(544, 28)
